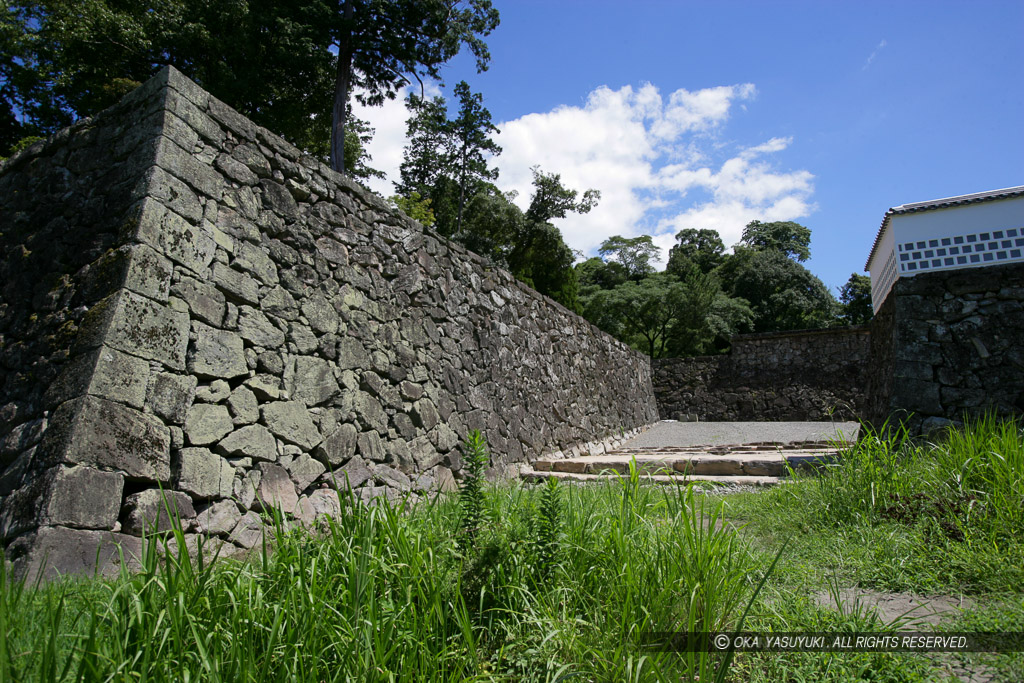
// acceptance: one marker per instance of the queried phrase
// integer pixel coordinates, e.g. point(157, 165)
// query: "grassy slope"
point(559, 581)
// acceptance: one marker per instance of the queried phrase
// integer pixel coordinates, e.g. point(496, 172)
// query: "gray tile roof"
point(945, 203)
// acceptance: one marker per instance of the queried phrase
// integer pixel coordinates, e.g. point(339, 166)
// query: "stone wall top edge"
point(809, 332)
point(149, 89)
point(188, 88)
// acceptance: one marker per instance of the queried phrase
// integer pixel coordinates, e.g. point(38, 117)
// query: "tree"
point(471, 133)
point(855, 297)
point(553, 200)
point(783, 294)
point(792, 239)
point(595, 273)
point(289, 66)
point(634, 254)
point(702, 248)
point(415, 207)
point(641, 313)
point(383, 44)
point(428, 150)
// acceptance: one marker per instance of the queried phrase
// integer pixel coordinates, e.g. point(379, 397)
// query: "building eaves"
point(947, 202)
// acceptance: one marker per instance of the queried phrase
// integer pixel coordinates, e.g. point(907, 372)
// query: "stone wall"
point(949, 344)
point(192, 304)
point(803, 375)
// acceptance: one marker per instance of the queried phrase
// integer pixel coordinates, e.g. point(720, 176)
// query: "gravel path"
point(671, 433)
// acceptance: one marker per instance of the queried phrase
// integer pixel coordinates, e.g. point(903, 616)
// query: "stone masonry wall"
point(804, 375)
point(249, 328)
point(949, 344)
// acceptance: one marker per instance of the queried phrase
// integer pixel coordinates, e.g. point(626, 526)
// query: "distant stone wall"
point(192, 304)
point(802, 375)
point(950, 344)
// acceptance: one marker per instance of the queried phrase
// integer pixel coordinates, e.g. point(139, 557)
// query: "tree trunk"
point(341, 89)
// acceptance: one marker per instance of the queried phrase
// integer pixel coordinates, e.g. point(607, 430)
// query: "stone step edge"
point(722, 481)
point(697, 465)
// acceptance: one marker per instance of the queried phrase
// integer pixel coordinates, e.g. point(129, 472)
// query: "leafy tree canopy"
point(855, 297)
point(633, 254)
point(702, 248)
point(792, 239)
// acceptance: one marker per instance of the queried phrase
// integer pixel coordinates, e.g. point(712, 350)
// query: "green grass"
point(559, 582)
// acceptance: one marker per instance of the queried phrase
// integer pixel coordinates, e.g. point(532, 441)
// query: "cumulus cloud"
point(658, 161)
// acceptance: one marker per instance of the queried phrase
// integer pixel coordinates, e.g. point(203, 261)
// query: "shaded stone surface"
point(155, 510)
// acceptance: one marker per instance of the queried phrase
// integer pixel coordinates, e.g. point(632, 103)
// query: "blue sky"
point(711, 114)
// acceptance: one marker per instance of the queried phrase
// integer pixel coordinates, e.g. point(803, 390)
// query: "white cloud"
point(874, 53)
point(657, 161)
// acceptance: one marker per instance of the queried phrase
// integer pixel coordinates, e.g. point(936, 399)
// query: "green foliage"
point(783, 294)
point(633, 254)
point(415, 207)
point(471, 490)
point(701, 248)
point(787, 237)
point(548, 526)
point(551, 199)
point(855, 297)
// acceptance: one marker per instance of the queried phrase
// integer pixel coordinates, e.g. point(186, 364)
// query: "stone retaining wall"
point(949, 344)
point(192, 304)
point(807, 375)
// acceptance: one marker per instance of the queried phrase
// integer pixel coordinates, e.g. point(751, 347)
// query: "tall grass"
point(559, 581)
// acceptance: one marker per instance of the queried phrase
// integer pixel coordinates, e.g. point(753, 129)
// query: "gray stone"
point(265, 387)
point(355, 473)
point(257, 328)
point(444, 437)
point(204, 300)
point(338, 447)
point(207, 424)
point(290, 420)
point(245, 488)
point(236, 284)
point(424, 414)
point(404, 426)
point(200, 473)
point(106, 435)
point(389, 476)
point(68, 496)
point(244, 407)
point(320, 314)
point(170, 396)
point(280, 303)
point(54, 552)
point(425, 453)
point(332, 250)
point(371, 447)
point(148, 273)
point(276, 488)
point(253, 441)
point(278, 198)
point(303, 339)
point(352, 355)
point(411, 391)
point(154, 510)
point(138, 326)
point(304, 471)
point(217, 353)
point(248, 532)
point(220, 518)
point(255, 261)
point(104, 372)
point(325, 502)
point(172, 235)
point(313, 382)
point(215, 392)
point(370, 412)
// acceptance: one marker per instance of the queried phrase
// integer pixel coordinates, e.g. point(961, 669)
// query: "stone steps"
point(755, 464)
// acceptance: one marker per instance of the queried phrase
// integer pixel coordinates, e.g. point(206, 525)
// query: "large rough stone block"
point(54, 552)
point(290, 420)
point(276, 488)
point(304, 471)
point(337, 448)
point(313, 381)
point(252, 441)
point(104, 372)
point(257, 328)
point(156, 510)
point(217, 353)
point(170, 396)
point(136, 325)
point(207, 423)
point(173, 236)
point(220, 518)
point(68, 496)
point(106, 435)
point(204, 474)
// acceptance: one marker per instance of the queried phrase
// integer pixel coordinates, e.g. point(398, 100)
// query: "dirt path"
point(669, 433)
